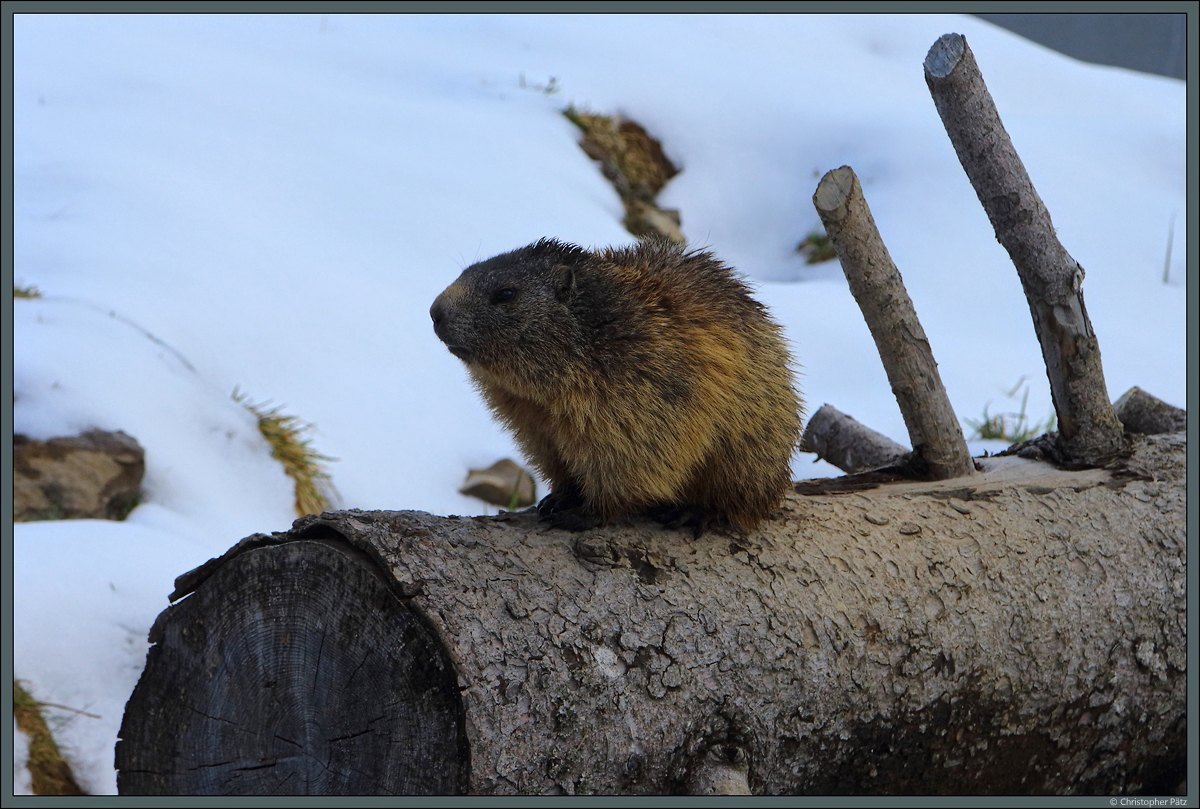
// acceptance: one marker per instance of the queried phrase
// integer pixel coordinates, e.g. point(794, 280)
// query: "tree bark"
point(1088, 429)
point(1022, 630)
point(907, 358)
point(1141, 412)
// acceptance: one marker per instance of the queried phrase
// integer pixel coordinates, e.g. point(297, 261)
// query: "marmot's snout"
point(442, 314)
point(437, 313)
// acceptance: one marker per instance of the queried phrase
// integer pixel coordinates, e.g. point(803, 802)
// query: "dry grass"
point(624, 148)
point(817, 247)
point(50, 771)
point(635, 164)
point(289, 446)
point(26, 292)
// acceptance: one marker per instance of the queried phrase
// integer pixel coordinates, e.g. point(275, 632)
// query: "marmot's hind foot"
point(694, 517)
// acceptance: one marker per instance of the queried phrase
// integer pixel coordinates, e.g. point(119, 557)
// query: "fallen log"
point(1018, 631)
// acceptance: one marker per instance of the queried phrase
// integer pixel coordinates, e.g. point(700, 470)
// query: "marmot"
point(636, 379)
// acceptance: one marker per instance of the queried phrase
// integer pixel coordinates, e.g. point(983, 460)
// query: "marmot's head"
point(513, 311)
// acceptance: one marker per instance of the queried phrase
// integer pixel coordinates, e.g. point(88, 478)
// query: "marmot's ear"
point(564, 286)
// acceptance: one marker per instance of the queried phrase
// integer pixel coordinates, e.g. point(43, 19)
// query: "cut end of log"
point(834, 191)
point(226, 706)
point(944, 55)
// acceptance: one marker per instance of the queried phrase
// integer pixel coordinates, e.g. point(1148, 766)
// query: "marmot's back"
point(639, 378)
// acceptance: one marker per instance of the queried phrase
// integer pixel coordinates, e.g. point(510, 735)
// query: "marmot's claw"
point(564, 498)
point(573, 520)
point(565, 508)
point(671, 516)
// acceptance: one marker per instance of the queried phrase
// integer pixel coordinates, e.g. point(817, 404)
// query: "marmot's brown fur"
point(635, 379)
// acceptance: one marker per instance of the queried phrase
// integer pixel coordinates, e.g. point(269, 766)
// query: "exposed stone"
point(94, 475)
point(643, 219)
point(503, 484)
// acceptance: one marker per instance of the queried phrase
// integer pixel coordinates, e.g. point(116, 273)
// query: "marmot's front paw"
point(565, 508)
point(573, 520)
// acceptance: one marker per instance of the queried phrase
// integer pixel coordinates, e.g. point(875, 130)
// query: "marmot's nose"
point(440, 314)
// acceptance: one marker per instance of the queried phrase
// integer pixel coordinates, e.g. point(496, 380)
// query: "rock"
point(503, 484)
point(643, 219)
point(94, 475)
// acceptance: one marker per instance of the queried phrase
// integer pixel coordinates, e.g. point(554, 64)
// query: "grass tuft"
point(26, 292)
point(50, 772)
point(817, 247)
point(549, 88)
point(636, 166)
point(1014, 427)
point(289, 446)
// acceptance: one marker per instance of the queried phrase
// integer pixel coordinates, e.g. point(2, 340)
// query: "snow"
point(272, 203)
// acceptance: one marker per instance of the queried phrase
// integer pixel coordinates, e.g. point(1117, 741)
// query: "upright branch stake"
point(876, 284)
point(1089, 431)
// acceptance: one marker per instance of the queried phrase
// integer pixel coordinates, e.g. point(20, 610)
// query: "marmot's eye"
point(502, 295)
